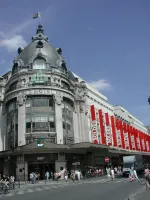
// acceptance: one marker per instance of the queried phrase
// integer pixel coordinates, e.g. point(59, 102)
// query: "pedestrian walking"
point(147, 171)
point(73, 176)
point(47, 175)
point(112, 174)
point(31, 178)
point(66, 175)
point(135, 174)
point(131, 174)
point(108, 171)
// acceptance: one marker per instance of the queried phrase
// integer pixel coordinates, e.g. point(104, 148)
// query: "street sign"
point(40, 143)
point(106, 159)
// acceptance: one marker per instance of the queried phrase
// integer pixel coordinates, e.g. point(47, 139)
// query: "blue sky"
point(106, 42)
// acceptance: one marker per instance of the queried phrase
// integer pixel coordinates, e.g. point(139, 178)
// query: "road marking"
point(38, 189)
point(120, 181)
point(46, 188)
point(133, 195)
point(61, 185)
point(20, 192)
point(53, 186)
point(30, 190)
point(9, 194)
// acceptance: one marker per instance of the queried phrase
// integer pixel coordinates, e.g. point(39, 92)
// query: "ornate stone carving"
point(81, 107)
point(29, 84)
point(40, 34)
point(79, 94)
point(4, 109)
point(86, 110)
point(20, 50)
point(59, 50)
point(40, 54)
point(74, 108)
point(1, 97)
point(21, 83)
point(39, 44)
point(21, 99)
point(58, 99)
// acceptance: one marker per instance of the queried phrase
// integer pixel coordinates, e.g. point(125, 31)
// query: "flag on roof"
point(36, 15)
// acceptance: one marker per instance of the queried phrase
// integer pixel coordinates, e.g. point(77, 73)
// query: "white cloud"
point(13, 43)
point(101, 84)
point(12, 38)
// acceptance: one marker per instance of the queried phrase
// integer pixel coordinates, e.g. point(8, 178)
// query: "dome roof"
point(32, 51)
point(39, 47)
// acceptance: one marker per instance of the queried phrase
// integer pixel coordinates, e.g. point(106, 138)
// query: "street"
point(100, 188)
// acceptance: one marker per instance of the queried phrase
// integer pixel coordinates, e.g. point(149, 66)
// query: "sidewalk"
point(51, 182)
point(24, 184)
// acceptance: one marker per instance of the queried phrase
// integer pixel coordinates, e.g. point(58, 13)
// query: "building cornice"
point(39, 91)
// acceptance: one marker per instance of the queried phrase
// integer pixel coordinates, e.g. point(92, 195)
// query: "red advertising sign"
point(106, 159)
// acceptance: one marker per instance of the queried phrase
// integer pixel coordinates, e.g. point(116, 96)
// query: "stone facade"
point(40, 99)
point(40, 76)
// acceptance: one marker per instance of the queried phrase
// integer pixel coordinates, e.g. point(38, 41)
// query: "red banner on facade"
point(113, 131)
point(135, 138)
point(93, 115)
point(140, 136)
point(101, 127)
point(143, 141)
point(147, 143)
point(108, 130)
point(138, 140)
point(126, 136)
point(119, 142)
point(93, 125)
point(129, 134)
point(132, 138)
point(122, 135)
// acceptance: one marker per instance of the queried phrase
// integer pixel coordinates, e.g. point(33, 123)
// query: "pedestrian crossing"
point(52, 186)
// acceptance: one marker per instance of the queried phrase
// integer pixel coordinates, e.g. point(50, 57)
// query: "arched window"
point(39, 63)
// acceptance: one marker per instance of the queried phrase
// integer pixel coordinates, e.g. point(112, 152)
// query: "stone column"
point(1, 135)
point(82, 122)
point(58, 119)
point(4, 131)
point(79, 123)
point(75, 125)
point(84, 119)
point(22, 168)
point(21, 119)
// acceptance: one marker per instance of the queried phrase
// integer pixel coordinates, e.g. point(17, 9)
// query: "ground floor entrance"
point(41, 168)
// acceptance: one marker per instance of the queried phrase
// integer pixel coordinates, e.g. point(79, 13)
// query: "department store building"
point(45, 114)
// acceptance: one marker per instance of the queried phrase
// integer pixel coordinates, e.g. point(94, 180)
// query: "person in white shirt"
point(108, 171)
point(47, 175)
point(31, 177)
point(78, 173)
point(66, 175)
point(112, 173)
